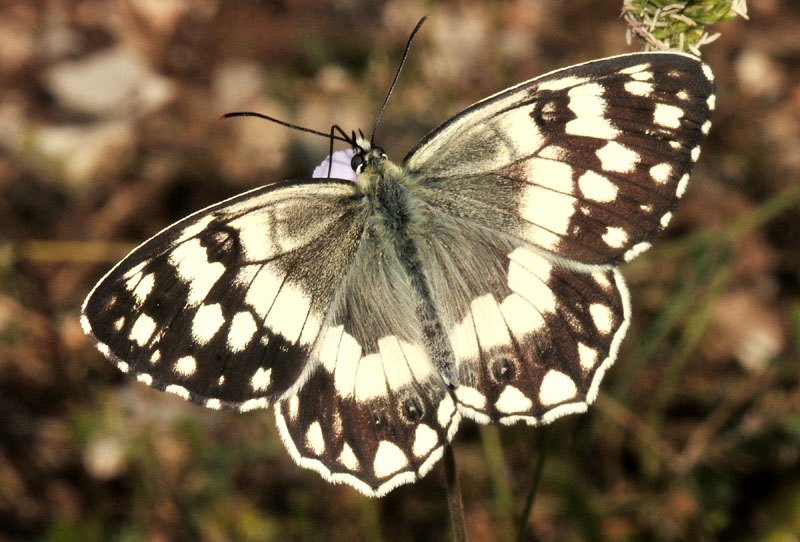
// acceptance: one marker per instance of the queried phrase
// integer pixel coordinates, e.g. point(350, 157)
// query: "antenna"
point(331, 135)
point(396, 77)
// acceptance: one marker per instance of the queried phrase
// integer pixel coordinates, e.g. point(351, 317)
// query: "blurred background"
point(110, 130)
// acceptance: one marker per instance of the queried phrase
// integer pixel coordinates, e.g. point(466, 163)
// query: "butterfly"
point(478, 278)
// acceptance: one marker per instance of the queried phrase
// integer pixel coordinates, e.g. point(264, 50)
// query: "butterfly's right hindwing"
point(224, 307)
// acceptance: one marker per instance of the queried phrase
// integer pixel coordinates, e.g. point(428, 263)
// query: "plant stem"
point(454, 502)
point(544, 440)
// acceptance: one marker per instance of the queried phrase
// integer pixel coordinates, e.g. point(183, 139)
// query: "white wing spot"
point(639, 71)
point(261, 379)
point(314, 439)
point(560, 83)
point(519, 130)
point(512, 400)
point(370, 378)
point(589, 107)
point(661, 172)
point(464, 341)
point(142, 329)
point(668, 116)
point(445, 411)
point(197, 227)
point(639, 88)
point(186, 366)
point(191, 261)
point(346, 358)
point(124, 367)
point(712, 102)
point(706, 127)
point(180, 391)
point(682, 95)
point(288, 312)
point(636, 249)
point(221, 380)
point(549, 203)
point(682, 184)
point(470, 397)
point(143, 288)
point(206, 322)
point(597, 187)
point(252, 404)
point(145, 378)
point(262, 291)
point(615, 237)
point(708, 73)
point(665, 220)
point(602, 317)
point(489, 323)
point(310, 329)
point(243, 328)
point(135, 270)
point(602, 280)
point(388, 459)
point(294, 407)
point(155, 357)
point(118, 325)
point(556, 387)
point(521, 317)
point(348, 458)
point(587, 357)
point(425, 438)
point(616, 157)
point(528, 274)
point(213, 404)
point(395, 367)
point(418, 361)
point(695, 153)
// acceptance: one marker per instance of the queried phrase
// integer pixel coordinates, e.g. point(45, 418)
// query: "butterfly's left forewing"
point(225, 306)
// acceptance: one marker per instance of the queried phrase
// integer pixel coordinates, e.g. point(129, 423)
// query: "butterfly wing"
point(224, 307)
point(587, 162)
point(276, 296)
point(531, 338)
point(375, 411)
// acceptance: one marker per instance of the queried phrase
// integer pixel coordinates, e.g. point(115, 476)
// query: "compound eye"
point(357, 163)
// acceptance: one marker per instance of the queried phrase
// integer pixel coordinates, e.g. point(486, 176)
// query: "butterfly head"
point(366, 155)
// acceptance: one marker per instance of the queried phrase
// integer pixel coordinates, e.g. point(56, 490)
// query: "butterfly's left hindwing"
point(374, 410)
point(586, 163)
point(224, 307)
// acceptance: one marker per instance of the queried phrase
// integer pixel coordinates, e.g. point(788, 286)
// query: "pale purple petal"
point(340, 168)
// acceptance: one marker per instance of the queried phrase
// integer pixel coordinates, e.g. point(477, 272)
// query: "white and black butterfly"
point(477, 278)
